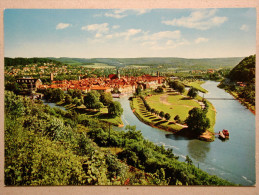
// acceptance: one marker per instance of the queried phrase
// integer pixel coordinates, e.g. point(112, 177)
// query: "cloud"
point(118, 13)
point(128, 33)
point(160, 35)
point(201, 20)
point(121, 13)
point(141, 11)
point(162, 40)
point(201, 40)
point(244, 27)
point(100, 29)
point(62, 26)
point(115, 26)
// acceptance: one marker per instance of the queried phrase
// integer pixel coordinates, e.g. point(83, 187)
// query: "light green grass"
point(99, 65)
point(197, 85)
point(147, 117)
point(178, 105)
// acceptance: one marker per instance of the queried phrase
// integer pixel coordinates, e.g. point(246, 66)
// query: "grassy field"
point(99, 65)
point(174, 104)
point(148, 118)
point(197, 85)
point(102, 114)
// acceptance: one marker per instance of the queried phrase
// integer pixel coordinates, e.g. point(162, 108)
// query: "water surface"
point(233, 160)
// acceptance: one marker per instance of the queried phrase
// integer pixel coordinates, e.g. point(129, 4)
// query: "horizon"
point(129, 33)
point(135, 57)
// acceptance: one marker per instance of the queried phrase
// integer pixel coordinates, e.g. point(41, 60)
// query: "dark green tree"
point(115, 109)
point(188, 160)
point(106, 98)
point(68, 99)
point(162, 114)
point(90, 100)
point(177, 118)
point(167, 116)
point(197, 121)
point(193, 92)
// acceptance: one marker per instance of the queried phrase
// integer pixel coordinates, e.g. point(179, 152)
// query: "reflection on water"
point(176, 137)
point(198, 150)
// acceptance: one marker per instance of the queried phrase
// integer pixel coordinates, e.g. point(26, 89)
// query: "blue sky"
point(91, 33)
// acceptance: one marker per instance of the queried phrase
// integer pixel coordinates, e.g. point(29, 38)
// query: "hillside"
point(241, 82)
point(170, 62)
point(244, 71)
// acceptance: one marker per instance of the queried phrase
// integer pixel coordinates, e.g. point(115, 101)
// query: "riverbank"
point(241, 100)
point(182, 109)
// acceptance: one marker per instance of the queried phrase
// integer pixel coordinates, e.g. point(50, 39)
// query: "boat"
point(224, 134)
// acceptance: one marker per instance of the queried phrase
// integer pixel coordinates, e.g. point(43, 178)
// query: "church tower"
point(118, 73)
point(51, 77)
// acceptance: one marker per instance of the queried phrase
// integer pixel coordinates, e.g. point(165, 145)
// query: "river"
point(233, 160)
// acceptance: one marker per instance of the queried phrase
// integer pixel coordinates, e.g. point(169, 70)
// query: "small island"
point(172, 107)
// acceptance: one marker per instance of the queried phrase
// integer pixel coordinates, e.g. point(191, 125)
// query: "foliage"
point(167, 116)
point(176, 85)
point(138, 90)
point(42, 148)
point(115, 109)
point(106, 98)
point(162, 114)
point(177, 118)
point(25, 61)
point(159, 89)
point(197, 121)
point(244, 71)
point(53, 95)
point(193, 92)
point(91, 100)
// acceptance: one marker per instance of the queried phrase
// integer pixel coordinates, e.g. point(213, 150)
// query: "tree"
point(176, 85)
point(159, 89)
point(193, 92)
point(181, 88)
point(106, 98)
point(115, 109)
point(152, 110)
point(90, 100)
point(197, 121)
point(188, 160)
point(98, 105)
point(162, 114)
point(167, 116)
point(68, 99)
point(177, 118)
point(138, 90)
point(156, 112)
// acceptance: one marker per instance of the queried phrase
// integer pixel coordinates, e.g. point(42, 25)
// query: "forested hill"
point(204, 63)
point(26, 61)
point(171, 62)
point(244, 71)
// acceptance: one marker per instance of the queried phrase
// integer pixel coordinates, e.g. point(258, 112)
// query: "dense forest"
point(244, 71)
point(241, 81)
point(25, 61)
point(50, 146)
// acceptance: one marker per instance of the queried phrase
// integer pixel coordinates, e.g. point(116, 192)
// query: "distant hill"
point(244, 71)
point(25, 61)
point(170, 62)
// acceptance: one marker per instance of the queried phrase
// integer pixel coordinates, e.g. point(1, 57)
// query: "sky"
point(130, 33)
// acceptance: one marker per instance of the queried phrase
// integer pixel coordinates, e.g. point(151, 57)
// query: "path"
point(163, 99)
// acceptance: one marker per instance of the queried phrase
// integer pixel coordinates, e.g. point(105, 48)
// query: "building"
point(32, 84)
